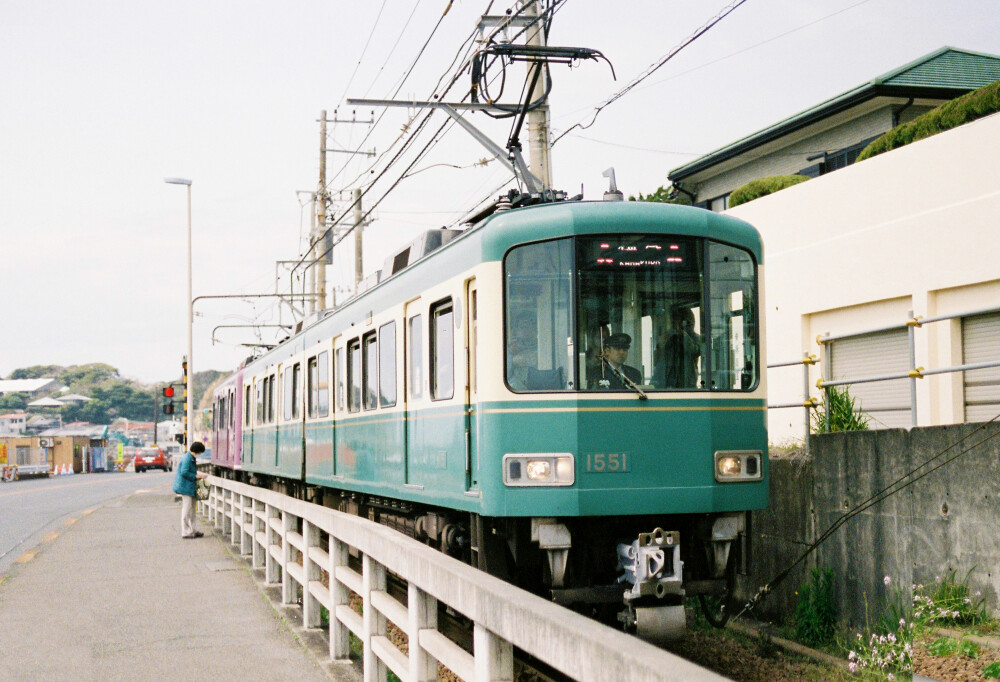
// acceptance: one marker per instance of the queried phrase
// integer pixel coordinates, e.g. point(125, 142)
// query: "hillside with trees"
point(112, 396)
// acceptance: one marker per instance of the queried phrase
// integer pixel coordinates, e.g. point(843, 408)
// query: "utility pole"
point(538, 119)
point(359, 229)
point(321, 198)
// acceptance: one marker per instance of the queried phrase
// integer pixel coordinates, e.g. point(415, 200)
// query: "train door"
point(471, 355)
point(413, 380)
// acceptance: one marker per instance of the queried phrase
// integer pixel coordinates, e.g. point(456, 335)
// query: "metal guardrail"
point(913, 322)
point(283, 536)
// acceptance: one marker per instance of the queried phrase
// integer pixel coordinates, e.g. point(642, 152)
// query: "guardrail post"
point(911, 333)
point(271, 572)
point(373, 578)
point(340, 648)
point(806, 361)
point(248, 526)
point(258, 526)
point(310, 572)
point(422, 611)
point(494, 656)
point(235, 517)
point(287, 584)
point(218, 505)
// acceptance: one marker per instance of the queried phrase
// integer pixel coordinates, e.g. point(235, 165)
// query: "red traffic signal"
point(168, 392)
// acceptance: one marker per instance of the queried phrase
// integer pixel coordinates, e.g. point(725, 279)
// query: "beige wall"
point(913, 229)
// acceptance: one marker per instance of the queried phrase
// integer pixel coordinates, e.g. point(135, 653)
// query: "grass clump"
point(840, 413)
point(816, 612)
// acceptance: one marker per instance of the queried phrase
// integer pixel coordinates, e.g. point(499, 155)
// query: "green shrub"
point(968, 107)
point(840, 414)
point(756, 189)
point(816, 612)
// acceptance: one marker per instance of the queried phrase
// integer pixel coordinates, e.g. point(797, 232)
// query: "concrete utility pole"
point(319, 302)
point(538, 120)
point(359, 229)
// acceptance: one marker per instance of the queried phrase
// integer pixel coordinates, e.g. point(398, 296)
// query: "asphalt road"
point(33, 508)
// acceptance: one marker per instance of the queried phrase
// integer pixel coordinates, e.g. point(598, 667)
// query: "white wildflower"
point(887, 580)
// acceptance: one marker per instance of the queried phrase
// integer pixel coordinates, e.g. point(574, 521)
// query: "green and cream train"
point(570, 396)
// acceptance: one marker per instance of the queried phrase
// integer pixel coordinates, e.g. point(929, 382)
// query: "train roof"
point(491, 238)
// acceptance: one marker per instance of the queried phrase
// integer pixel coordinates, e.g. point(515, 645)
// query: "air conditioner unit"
point(45, 442)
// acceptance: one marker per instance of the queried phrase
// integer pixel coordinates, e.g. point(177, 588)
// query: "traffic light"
point(168, 407)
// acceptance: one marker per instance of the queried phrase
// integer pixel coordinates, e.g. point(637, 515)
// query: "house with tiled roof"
point(831, 134)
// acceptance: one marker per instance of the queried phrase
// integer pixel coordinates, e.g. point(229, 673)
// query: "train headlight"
point(732, 466)
point(538, 469)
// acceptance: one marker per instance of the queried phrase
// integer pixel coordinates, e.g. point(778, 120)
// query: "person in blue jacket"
point(185, 485)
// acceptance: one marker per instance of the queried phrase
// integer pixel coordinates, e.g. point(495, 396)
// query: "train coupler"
point(654, 605)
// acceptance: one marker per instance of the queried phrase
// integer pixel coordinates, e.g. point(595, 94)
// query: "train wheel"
point(660, 624)
point(718, 608)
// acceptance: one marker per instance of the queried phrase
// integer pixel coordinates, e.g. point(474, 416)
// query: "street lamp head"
point(176, 181)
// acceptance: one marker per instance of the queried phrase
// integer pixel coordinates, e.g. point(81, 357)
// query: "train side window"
point(416, 350)
point(442, 347)
point(354, 375)
point(387, 364)
point(270, 399)
point(246, 406)
point(296, 389)
point(318, 393)
point(370, 363)
point(287, 381)
point(339, 374)
point(232, 409)
point(258, 418)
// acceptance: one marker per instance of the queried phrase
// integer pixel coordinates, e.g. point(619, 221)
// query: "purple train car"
point(227, 422)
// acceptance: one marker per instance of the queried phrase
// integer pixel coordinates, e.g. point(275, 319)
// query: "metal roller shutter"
point(981, 343)
point(857, 357)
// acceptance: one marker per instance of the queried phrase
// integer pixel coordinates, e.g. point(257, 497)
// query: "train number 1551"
point(610, 463)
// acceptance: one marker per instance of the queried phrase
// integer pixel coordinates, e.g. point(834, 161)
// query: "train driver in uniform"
point(616, 349)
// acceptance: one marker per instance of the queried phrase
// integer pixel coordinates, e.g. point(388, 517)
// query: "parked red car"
point(152, 458)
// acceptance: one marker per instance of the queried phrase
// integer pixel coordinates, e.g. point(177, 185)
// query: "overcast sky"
point(103, 100)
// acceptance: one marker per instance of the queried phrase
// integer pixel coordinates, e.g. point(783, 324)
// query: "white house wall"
point(912, 229)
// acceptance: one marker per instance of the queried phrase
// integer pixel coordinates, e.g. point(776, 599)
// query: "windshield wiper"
point(624, 379)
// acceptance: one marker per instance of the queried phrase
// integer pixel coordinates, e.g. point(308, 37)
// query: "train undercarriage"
point(636, 571)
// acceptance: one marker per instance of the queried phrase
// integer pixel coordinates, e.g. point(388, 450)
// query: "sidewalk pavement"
point(118, 595)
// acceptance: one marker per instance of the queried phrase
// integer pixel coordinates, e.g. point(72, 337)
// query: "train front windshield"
point(618, 312)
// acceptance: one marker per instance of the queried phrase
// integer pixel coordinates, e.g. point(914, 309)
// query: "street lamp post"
point(188, 396)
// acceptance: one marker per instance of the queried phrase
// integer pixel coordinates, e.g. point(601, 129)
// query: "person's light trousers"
point(187, 515)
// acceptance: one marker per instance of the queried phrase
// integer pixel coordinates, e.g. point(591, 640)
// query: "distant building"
point(830, 135)
point(13, 424)
point(29, 387)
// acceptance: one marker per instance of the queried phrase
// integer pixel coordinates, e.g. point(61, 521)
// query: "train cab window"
point(733, 318)
point(641, 300)
point(339, 374)
point(387, 364)
point(370, 371)
point(442, 351)
point(354, 375)
point(247, 406)
point(318, 389)
point(416, 351)
point(539, 316)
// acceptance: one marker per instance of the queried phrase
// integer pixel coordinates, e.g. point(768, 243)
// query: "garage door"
point(868, 355)
point(981, 343)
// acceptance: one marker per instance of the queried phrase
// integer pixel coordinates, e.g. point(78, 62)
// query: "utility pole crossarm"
point(512, 161)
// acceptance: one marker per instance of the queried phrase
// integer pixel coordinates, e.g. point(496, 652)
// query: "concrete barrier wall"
point(948, 520)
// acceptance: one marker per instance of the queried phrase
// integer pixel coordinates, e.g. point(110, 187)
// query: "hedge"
point(756, 189)
point(968, 107)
